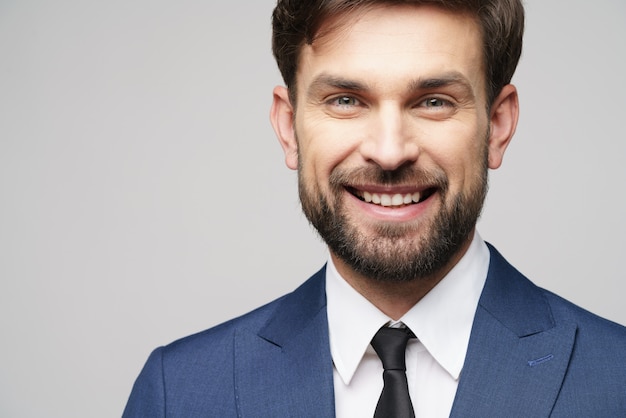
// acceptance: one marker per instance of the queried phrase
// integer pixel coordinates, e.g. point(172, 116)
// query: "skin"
point(393, 87)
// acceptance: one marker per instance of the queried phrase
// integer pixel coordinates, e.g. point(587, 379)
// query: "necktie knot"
point(390, 345)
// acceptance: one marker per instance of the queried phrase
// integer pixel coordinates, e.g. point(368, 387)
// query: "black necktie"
point(390, 345)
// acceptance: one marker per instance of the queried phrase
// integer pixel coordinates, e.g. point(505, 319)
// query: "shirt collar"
point(441, 320)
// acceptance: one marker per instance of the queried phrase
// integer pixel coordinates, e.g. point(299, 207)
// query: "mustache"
point(402, 176)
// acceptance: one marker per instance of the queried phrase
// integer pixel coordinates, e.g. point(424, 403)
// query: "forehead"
point(394, 42)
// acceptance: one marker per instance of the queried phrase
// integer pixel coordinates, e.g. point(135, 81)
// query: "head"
point(393, 113)
point(298, 22)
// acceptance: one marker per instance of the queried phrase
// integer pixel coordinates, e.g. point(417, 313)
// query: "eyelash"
point(430, 100)
point(443, 103)
point(335, 101)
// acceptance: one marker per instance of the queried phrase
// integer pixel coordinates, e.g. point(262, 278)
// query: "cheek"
point(459, 152)
point(324, 146)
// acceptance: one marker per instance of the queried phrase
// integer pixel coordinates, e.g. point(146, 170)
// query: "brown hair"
point(297, 22)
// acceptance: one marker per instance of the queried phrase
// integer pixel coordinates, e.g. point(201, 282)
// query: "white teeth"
point(391, 200)
point(397, 200)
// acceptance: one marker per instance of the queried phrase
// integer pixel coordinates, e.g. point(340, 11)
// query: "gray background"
point(144, 196)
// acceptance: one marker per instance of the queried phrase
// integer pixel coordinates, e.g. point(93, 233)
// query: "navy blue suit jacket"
point(531, 354)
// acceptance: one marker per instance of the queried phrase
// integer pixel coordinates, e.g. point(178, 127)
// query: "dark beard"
point(392, 255)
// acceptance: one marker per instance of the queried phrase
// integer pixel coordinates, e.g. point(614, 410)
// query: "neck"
point(396, 298)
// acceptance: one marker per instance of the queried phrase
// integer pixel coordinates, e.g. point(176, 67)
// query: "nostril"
point(390, 157)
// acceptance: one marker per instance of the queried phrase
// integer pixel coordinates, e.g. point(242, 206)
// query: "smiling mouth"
point(393, 200)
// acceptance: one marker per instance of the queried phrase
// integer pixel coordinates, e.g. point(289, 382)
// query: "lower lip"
point(390, 213)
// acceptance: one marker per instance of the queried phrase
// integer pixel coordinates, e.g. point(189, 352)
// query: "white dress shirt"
point(441, 321)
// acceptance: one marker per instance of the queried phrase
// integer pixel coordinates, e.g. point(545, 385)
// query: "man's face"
point(391, 140)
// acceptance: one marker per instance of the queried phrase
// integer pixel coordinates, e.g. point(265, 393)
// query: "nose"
point(389, 142)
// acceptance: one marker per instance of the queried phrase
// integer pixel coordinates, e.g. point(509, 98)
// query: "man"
point(392, 115)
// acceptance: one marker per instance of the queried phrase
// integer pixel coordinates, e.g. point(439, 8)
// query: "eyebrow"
point(325, 81)
point(453, 78)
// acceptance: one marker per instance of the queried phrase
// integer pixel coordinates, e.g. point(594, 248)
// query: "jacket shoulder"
point(529, 344)
point(196, 373)
point(588, 322)
point(595, 381)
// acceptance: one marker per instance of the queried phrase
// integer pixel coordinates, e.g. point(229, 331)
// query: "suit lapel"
point(285, 369)
point(517, 356)
point(515, 364)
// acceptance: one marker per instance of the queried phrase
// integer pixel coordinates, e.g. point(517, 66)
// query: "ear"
point(503, 120)
point(282, 119)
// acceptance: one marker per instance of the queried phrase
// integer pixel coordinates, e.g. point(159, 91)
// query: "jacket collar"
point(518, 355)
point(285, 368)
point(515, 365)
